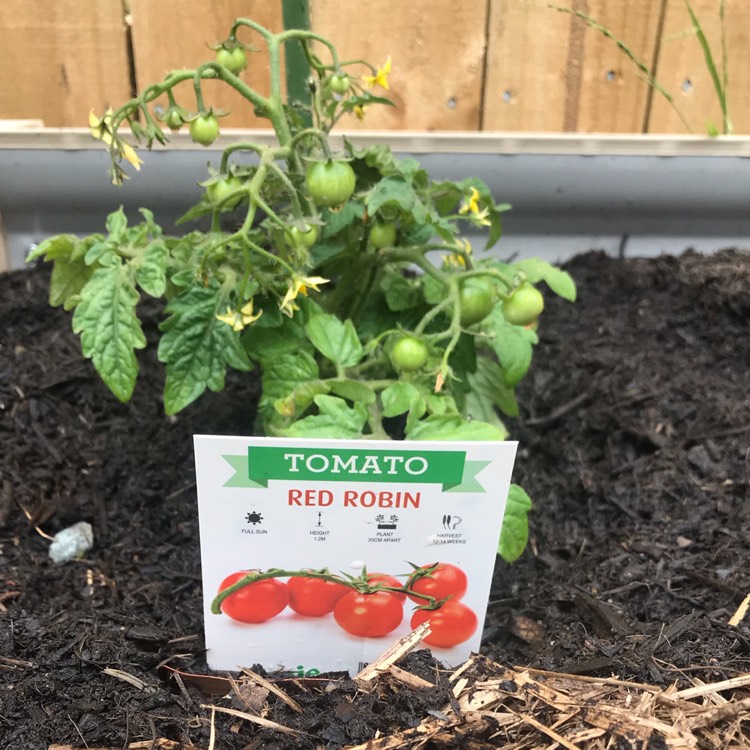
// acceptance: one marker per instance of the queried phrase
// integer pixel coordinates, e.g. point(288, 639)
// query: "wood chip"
point(267, 723)
point(391, 655)
point(741, 612)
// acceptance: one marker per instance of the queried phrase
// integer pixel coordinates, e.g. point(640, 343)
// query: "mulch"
point(614, 629)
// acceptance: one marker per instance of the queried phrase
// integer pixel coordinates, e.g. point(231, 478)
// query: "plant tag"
point(314, 519)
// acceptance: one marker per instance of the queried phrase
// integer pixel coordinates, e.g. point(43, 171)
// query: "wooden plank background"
point(61, 58)
point(493, 65)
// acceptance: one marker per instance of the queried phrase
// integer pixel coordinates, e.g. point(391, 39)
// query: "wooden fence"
point(494, 65)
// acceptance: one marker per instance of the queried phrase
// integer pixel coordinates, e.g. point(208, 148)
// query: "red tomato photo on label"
point(446, 580)
point(314, 597)
point(368, 615)
point(452, 624)
point(256, 602)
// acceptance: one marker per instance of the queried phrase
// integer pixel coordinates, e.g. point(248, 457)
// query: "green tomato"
point(409, 354)
point(235, 60)
point(204, 129)
point(174, 119)
point(477, 298)
point(382, 235)
point(339, 83)
point(302, 238)
point(524, 306)
point(218, 191)
point(330, 183)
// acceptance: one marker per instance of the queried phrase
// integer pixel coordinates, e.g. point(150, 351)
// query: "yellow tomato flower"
point(359, 111)
point(101, 129)
point(381, 76)
point(128, 153)
point(472, 204)
point(299, 285)
point(455, 260)
point(238, 319)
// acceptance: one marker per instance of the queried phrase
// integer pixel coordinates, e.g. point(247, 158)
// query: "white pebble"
point(72, 542)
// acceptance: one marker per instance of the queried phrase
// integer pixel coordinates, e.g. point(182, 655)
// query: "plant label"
point(349, 545)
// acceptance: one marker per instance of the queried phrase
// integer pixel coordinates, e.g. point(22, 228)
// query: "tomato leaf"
point(284, 377)
point(151, 273)
point(61, 246)
point(513, 346)
point(353, 390)
point(487, 384)
point(69, 277)
point(109, 328)
point(398, 398)
point(400, 293)
point(335, 340)
point(396, 191)
point(560, 282)
point(266, 343)
point(196, 347)
point(336, 420)
point(453, 427)
point(514, 534)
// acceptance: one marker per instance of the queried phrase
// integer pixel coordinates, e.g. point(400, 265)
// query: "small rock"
point(72, 542)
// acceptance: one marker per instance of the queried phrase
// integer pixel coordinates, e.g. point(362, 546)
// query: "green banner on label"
point(264, 463)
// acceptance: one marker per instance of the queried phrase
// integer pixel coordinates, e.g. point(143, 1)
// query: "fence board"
point(438, 53)
point(682, 69)
point(61, 59)
point(547, 70)
point(169, 35)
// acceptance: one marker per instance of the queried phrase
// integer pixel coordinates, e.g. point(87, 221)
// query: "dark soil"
point(634, 447)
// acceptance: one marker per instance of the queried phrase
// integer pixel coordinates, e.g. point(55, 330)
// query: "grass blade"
point(711, 66)
point(647, 73)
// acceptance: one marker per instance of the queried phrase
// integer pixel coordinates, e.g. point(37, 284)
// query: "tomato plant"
point(235, 60)
point(382, 234)
point(314, 597)
point(453, 623)
point(330, 183)
point(386, 580)
point(256, 602)
point(524, 306)
point(368, 615)
point(378, 322)
point(204, 129)
point(409, 354)
point(441, 581)
point(477, 298)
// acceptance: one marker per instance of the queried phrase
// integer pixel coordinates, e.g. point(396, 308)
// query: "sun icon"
point(254, 518)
